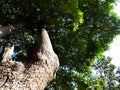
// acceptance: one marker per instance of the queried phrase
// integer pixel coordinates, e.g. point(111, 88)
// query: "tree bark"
point(35, 74)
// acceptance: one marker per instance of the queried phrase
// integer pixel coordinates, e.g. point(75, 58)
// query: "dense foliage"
point(80, 30)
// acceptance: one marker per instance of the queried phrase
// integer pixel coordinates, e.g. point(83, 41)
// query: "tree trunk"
point(40, 69)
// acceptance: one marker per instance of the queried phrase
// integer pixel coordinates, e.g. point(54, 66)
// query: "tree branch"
point(59, 27)
point(6, 30)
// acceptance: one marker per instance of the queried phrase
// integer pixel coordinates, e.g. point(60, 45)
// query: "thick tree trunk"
point(40, 69)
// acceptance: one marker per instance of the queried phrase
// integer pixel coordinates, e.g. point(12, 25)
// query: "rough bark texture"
point(36, 73)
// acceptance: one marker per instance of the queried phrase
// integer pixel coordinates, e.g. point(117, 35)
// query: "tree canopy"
point(80, 30)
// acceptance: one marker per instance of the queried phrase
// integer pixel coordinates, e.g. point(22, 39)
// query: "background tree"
point(105, 73)
point(118, 77)
point(79, 30)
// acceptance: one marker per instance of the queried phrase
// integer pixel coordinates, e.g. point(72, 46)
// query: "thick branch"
point(6, 30)
point(59, 27)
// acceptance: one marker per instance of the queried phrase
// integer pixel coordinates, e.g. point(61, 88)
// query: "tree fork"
point(36, 73)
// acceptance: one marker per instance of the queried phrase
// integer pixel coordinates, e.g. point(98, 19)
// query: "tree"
point(106, 73)
point(79, 31)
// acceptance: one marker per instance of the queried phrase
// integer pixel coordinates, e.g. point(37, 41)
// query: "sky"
point(114, 50)
point(117, 8)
